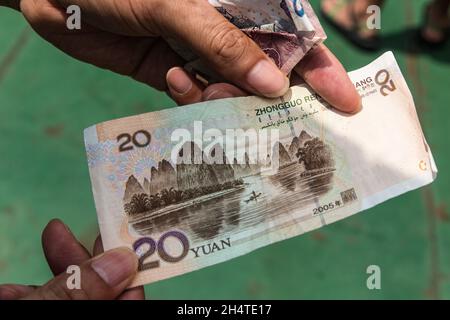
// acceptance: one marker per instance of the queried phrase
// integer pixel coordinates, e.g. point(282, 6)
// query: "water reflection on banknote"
point(193, 186)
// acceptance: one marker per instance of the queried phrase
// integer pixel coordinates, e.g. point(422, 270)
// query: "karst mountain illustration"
point(199, 177)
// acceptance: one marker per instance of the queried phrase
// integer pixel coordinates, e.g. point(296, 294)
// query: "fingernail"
point(178, 81)
point(115, 266)
point(218, 94)
point(268, 80)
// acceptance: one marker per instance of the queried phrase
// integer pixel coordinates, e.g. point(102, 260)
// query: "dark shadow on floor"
point(407, 40)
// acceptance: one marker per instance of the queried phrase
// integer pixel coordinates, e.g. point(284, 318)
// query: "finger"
point(200, 27)
point(130, 294)
point(224, 47)
point(146, 60)
point(45, 16)
point(14, 291)
point(137, 293)
point(154, 64)
point(326, 75)
point(119, 17)
point(183, 88)
point(61, 248)
point(102, 278)
point(221, 91)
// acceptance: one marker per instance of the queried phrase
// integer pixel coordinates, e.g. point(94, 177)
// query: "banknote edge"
point(389, 194)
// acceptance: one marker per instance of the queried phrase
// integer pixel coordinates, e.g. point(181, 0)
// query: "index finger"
point(325, 74)
point(61, 248)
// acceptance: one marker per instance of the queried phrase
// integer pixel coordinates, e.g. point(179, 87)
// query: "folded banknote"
point(284, 29)
point(192, 186)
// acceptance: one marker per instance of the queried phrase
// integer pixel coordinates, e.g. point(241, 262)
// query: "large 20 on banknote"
point(193, 186)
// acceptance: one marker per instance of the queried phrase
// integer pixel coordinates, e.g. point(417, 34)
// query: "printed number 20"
point(154, 246)
point(383, 79)
point(139, 139)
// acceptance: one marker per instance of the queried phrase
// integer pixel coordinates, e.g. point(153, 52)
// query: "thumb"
point(225, 48)
point(197, 25)
point(102, 278)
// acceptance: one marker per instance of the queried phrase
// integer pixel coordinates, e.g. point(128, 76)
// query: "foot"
point(436, 25)
point(349, 15)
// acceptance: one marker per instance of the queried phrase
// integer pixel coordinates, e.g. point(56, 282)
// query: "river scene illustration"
point(206, 200)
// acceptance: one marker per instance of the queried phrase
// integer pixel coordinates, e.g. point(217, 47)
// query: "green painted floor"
point(47, 99)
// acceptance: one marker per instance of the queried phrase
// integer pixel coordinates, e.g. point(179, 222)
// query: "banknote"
point(192, 186)
point(285, 30)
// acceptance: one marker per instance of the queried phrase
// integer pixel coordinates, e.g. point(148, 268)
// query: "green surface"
point(47, 99)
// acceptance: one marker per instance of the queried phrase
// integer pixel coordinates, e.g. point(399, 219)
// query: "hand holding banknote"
point(190, 187)
point(132, 38)
point(104, 275)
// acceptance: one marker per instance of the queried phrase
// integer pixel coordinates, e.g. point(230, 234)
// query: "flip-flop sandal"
point(371, 43)
point(432, 24)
